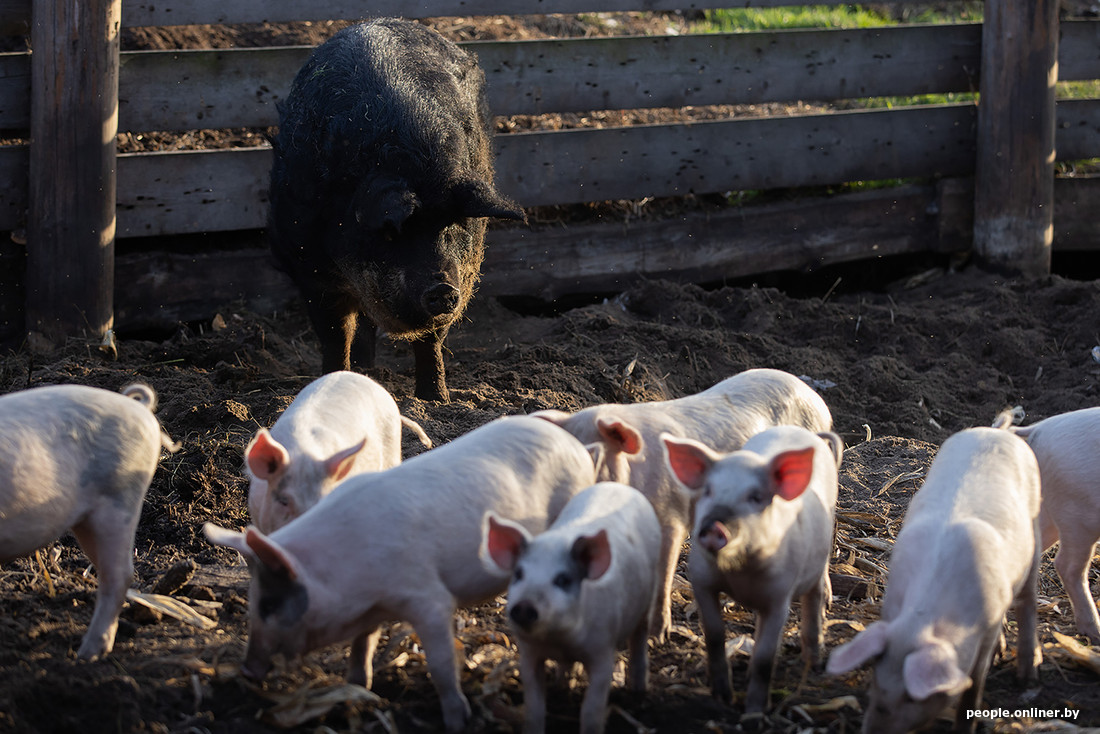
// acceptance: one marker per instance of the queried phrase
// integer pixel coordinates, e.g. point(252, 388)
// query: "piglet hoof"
point(659, 630)
point(754, 721)
point(456, 717)
point(722, 694)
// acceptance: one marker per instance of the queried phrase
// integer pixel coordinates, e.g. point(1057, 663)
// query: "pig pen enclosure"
point(903, 357)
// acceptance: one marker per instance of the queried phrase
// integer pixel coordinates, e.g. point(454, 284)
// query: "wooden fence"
point(74, 195)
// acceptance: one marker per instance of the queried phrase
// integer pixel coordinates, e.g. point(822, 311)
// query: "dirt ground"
point(902, 364)
point(901, 368)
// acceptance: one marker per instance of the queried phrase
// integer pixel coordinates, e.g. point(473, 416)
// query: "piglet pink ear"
point(270, 554)
point(791, 472)
point(867, 645)
point(339, 464)
point(593, 552)
point(689, 461)
point(933, 668)
point(504, 542)
point(620, 436)
point(265, 456)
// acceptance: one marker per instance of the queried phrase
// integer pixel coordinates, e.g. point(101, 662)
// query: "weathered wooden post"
point(1014, 173)
point(71, 212)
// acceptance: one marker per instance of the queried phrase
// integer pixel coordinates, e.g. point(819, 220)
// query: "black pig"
point(381, 182)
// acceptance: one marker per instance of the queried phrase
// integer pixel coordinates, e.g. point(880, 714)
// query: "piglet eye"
point(756, 497)
point(517, 575)
point(563, 581)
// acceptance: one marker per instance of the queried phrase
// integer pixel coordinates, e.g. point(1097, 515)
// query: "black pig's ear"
point(475, 198)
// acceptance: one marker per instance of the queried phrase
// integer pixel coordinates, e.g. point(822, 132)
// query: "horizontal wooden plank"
point(1077, 135)
point(531, 77)
point(15, 91)
point(197, 191)
point(15, 17)
point(183, 90)
point(160, 289)
point(203, 89)
point(1076, 226)
point(179, 12)
point(184, 192)
point(1079, 50)
point(797, 235)
point(239, 87)
point(755, 153)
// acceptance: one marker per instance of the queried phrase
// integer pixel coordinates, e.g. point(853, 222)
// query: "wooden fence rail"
point(224, 190)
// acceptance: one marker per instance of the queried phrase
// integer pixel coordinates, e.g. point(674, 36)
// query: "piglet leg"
point(672, 539)
point(594, 706)
point(433, 622)
point(714, 633)
point(532, 672)
point(813, 621)
point(1072, 562)
point(361, 659)
point(106, 542)
point(769, 630)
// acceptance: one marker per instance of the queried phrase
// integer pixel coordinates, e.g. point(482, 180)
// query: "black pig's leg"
point(334, 321)
point(362, 346)
point(431, 382)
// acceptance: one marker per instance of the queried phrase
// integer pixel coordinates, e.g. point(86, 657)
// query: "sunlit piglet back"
point(339, 425)
point(763, 534)
point(966, 551)
point(624, 442)
point(79, 458)
point(403, 544)
point(579, 591)
point(1067, 447)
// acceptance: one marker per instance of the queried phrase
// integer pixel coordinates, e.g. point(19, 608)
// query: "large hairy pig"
point(381, 184)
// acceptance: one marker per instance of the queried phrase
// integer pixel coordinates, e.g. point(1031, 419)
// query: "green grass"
point(1078, 90)
point(831, 16)
point(807, 16)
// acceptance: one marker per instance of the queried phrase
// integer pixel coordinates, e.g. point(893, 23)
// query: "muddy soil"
point(900, 367)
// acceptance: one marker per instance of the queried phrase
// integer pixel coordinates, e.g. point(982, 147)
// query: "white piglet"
point(579, 591)
point(339, 425)
point(1066, 447)
point(763, 534)
point(967, 549)
point(79, 458)
point(403, 544)
point(626, 448)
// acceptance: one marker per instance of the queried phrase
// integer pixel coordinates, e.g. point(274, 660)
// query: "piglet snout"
point(714, 537)
point(524, 614)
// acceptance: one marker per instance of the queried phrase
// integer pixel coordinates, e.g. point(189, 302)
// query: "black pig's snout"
point(524, 614)
point(440, 299)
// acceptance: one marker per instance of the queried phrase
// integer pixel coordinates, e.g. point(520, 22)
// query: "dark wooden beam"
point(1014, 169)
point(74, 119)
